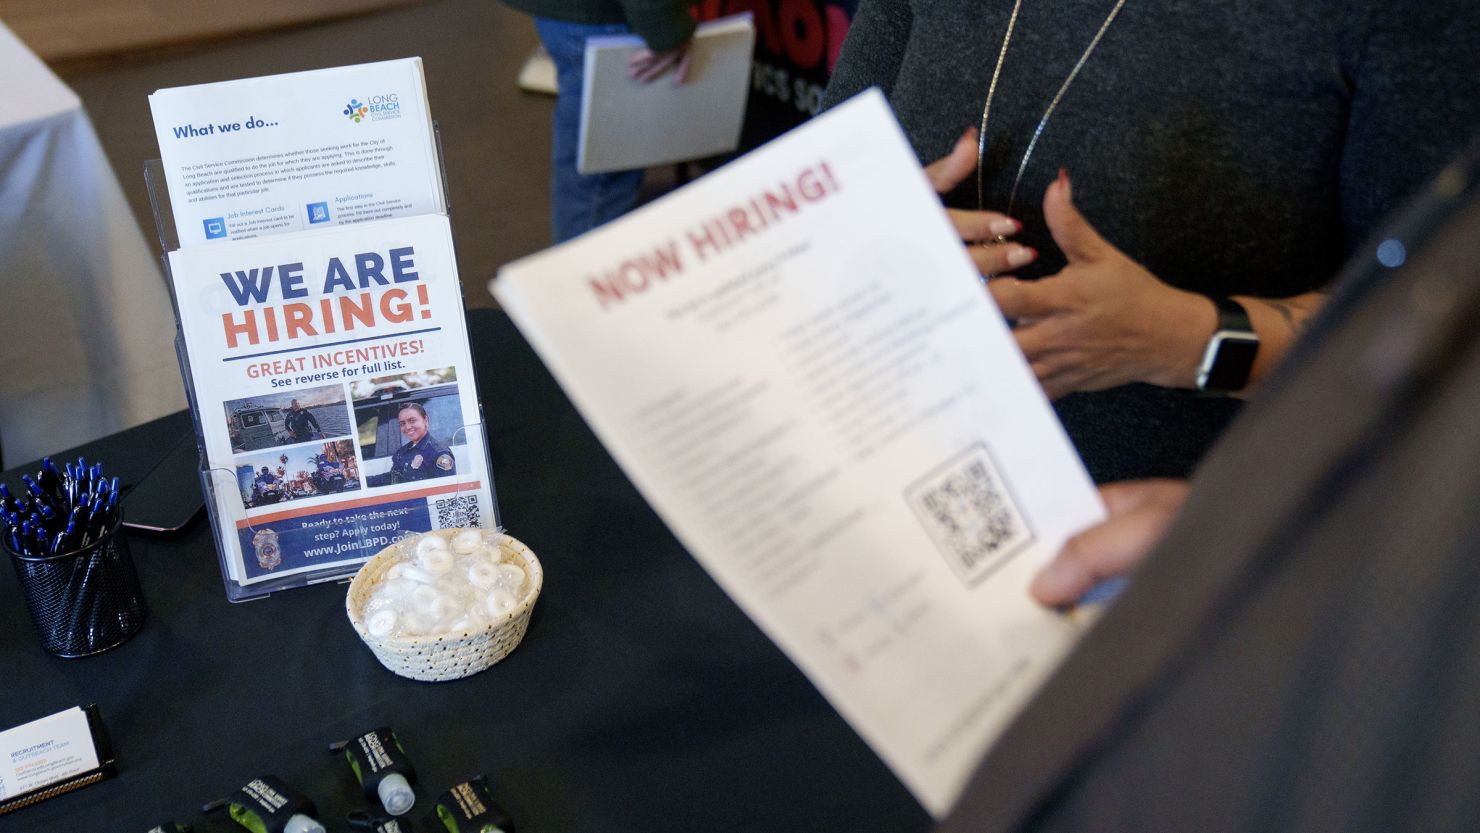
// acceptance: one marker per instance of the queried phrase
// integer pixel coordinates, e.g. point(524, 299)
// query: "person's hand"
point(1104, 320)
point(646, 65)
point(979, 230)
point(1139, 512)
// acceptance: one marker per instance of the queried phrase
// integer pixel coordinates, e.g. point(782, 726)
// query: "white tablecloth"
point(85, 316)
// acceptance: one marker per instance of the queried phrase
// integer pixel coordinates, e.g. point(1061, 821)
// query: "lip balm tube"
point(469, 808)
point(169, 827)
point(383, 770)
point(267, 805)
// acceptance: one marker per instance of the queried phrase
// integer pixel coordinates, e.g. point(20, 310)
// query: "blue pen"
point(62, 541)
point(32, 486)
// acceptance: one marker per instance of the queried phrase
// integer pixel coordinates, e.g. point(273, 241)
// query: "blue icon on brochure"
point(318, 212)
point(215, 228)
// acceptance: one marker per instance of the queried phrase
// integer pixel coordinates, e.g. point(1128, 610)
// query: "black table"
point(641, 699)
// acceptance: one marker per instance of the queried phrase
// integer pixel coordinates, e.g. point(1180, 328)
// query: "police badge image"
point(410, 426)
point(265, 546)
point(970, 513)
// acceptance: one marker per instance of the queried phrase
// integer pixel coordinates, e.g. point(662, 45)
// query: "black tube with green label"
point(267, 805)
point(469, 808)
point(383, 770)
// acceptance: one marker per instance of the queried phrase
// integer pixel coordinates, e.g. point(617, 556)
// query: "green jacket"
point(663, 24)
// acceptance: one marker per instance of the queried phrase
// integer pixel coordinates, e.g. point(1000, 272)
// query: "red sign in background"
point(796, 46)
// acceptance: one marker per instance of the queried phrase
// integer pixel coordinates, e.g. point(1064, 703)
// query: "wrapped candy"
point(445, 583)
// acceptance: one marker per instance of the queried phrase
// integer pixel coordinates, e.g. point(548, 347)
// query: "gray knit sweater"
point(1239, 146)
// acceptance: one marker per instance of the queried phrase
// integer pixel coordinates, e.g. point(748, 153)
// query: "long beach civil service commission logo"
point(374, 108)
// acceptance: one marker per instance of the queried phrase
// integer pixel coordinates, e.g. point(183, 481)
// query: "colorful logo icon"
point(318, 212)
point(355, 110)
point(215, 228)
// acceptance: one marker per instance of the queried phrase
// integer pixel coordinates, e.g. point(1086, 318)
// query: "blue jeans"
point(579, 203)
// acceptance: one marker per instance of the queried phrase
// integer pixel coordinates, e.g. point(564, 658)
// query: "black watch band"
point(1230, 353)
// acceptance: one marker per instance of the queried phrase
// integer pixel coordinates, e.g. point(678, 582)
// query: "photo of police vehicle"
point(255, 426)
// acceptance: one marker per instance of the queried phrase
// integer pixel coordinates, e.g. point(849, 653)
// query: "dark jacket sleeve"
point(663, 24)
point(1415, 104)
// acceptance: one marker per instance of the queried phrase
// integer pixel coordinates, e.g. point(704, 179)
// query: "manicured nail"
point(1064, 180)
point(1020, 255)
point(1006, 225)
point(1057, 581)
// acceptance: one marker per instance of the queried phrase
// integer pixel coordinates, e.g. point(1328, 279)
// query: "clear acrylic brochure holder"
point(347, 460)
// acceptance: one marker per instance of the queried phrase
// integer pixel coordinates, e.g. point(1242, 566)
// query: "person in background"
point(1150, 175)
point(581, 202)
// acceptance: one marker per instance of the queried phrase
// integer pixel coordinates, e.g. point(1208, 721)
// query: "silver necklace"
point(981, 141)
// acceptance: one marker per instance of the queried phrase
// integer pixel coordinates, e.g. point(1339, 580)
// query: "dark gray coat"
point(1302, 652)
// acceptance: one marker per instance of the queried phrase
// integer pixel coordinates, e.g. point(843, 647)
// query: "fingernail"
point(1006, 225)
point(1020, 255)
point(1064, 180)
point(1057, 581)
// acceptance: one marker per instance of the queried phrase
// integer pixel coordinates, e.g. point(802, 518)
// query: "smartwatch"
point(1230, 352)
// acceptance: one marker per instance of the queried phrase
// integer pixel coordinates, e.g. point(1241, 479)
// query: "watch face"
point(1229, 360)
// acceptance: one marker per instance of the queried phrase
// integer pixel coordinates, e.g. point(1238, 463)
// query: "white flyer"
point(46, 751)
point(303, 150)
point(796, 363)
point(334, 385)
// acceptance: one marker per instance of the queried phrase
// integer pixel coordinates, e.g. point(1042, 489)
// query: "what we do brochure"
point(298, 151)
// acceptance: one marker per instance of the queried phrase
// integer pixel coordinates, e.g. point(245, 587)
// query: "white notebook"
point(626, 124)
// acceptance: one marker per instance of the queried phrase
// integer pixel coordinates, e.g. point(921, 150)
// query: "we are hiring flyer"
point(333, 382)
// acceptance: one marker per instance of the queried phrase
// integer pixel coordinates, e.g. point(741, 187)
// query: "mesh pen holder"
point(82, 602)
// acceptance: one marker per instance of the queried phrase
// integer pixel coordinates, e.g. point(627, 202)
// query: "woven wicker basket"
point(449, 656)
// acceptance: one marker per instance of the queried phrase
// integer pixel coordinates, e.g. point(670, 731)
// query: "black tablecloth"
point(641, 699)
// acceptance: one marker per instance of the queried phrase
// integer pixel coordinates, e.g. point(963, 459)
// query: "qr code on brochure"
point(459, 511)
point(970, 514)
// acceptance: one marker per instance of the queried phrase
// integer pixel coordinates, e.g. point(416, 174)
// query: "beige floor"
point(67, 30)
point(495, 138)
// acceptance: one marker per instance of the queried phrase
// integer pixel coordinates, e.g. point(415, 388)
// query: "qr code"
point(459, 511)
point(970, 514)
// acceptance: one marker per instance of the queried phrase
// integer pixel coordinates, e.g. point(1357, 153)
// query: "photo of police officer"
point(271, 420)
point(411, 426)
point(422, 457)
point(302, 424)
